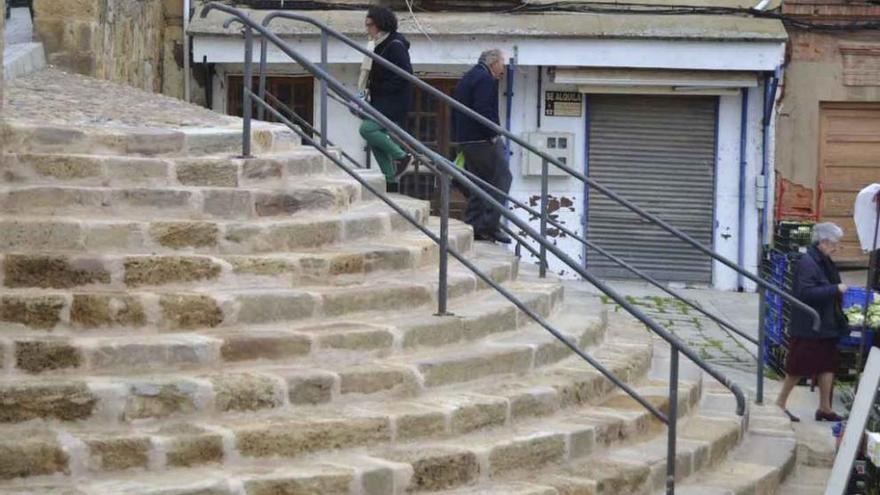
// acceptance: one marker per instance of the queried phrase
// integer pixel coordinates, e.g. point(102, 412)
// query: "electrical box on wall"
point(559, 145)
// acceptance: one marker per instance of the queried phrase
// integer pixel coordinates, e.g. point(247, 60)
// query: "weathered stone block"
point(73, 9)
point(432, 331)
point(207, 173)
point(308, 387)
point(275, 204)
point(264, 345)
point(154, 141)
point(364, 226)
point(374, 299)
point(188, 311)
point(262, 266)
point(185, 234)
point(41, 199)
point(228, 204)
point(39, 356)
point(116, 237)
point(530, 453)
point(41, 312)
point(31, 455)
point(326, 484)
point(115, 454)
point(358, 340)
point(104, 310)
point(29, 236)
point(533, 403)
point(63, 167)
point(55, 272)
point(419, 424)
point(369, 380)
point(192, 446)
point(126, 169)
point(439, 468)
point(163, 353)
point(159, 400)
point(260, 169)
point(291, 438)
point(266, 308)
point(478, 413)
point(304, 235)
point(152, 198)
point(346, 264)
point(63, 401)
point(502, 319)
point(458, 369)
point(148, 270)
point(246, 392)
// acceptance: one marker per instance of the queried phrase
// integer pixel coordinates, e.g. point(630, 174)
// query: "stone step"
point(315, 194)
point(241, 372)
point(128, 171)
point(338, 265)
point(765, 456)
point(806, 480)
point(21, 137)
point(205, 308)
point(27, 233)
point(414, 432)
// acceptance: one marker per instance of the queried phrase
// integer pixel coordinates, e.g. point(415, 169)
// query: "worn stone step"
point(203, 308)
point(292, 369)
point(310, 195)
point(127, 171)
point(145, 141)
point(368, 220)
point(345, 264)
point(299, 432)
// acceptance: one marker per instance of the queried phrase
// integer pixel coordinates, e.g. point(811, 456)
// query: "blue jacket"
point(391, 94)
point(814, 286)
point(477, 90)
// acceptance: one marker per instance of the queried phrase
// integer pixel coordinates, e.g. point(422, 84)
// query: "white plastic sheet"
point(866, 216)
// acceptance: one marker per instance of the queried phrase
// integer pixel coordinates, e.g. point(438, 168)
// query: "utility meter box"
point(559, 145)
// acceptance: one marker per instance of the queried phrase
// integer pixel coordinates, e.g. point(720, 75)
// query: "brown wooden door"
point(849, 154)
point(295, 92)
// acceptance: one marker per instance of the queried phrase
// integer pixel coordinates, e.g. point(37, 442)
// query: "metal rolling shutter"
point(658, 152)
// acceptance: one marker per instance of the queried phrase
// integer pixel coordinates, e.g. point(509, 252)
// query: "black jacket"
point(391, 94)
point(477, 90)
point(815, 283)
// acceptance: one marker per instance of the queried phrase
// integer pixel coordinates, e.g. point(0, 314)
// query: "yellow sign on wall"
point(563, 103)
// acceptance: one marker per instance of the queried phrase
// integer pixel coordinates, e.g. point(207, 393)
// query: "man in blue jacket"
point(484, 152)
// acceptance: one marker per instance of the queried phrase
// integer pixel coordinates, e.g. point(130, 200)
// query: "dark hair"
point(383, 18)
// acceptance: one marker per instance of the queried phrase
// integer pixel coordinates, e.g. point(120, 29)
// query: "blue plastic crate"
point(854, 339)
point(856, 295)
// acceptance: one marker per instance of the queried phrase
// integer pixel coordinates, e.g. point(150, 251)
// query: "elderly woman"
point(814, 353)
point(388, 92)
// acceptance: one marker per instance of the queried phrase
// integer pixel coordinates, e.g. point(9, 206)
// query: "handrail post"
point(324, 66)
point(545, 190)
point(264, 61)
point(443, 285)
point(672, 422)
point(762, 315)
point(246, 92)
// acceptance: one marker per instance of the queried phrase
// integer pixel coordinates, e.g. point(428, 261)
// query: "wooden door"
point(849, 160)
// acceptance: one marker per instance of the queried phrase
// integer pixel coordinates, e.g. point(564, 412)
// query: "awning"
point(656, 81)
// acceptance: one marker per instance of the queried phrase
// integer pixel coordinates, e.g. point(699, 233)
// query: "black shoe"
point(832, 416)
point(483, 236)
point(401, 165)
point(791, 417)
point(501, 237)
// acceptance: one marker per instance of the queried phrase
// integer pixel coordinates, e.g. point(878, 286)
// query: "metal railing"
point(447, 173)
point(763, 286)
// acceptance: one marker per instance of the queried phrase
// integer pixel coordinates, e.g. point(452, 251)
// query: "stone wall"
point(117, 40)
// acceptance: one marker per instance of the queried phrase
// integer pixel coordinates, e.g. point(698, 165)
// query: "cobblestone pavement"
point(19, 28)
point(53, 97)
point(716, 344)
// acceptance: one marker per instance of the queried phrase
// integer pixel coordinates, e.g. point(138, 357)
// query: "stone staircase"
point(177, 321)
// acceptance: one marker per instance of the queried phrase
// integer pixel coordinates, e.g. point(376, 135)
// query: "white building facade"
point(674, 114)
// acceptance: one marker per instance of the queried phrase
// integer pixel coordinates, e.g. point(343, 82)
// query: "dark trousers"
point(488, 161)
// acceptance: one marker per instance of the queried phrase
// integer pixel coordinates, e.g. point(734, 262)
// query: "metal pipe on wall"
point(187, 84)
point(743, 165)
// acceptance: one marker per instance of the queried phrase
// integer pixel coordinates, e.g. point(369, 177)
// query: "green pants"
point(384, 149)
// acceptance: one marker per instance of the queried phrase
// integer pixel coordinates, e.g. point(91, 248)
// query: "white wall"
point(343, 131)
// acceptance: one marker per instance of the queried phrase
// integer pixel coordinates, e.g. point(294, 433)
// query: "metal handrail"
point(325, 30)
point(541, 256)
point(449, 171)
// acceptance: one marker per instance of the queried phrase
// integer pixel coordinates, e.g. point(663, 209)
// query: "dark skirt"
point(810, 357)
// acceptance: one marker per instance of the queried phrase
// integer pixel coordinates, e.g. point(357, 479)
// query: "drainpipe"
point(187, 91)
point(511, 72)
point(743, 165)
point(771, 85)
point(540, 91)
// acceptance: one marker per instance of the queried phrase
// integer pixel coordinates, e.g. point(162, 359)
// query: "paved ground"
point(731, 354)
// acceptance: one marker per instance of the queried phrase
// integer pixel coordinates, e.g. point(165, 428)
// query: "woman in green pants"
point(386, 91)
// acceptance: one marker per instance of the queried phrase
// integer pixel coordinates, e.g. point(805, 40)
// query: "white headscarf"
point(367, 64)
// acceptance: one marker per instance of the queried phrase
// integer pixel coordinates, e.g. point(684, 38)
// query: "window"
point(295, 92)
